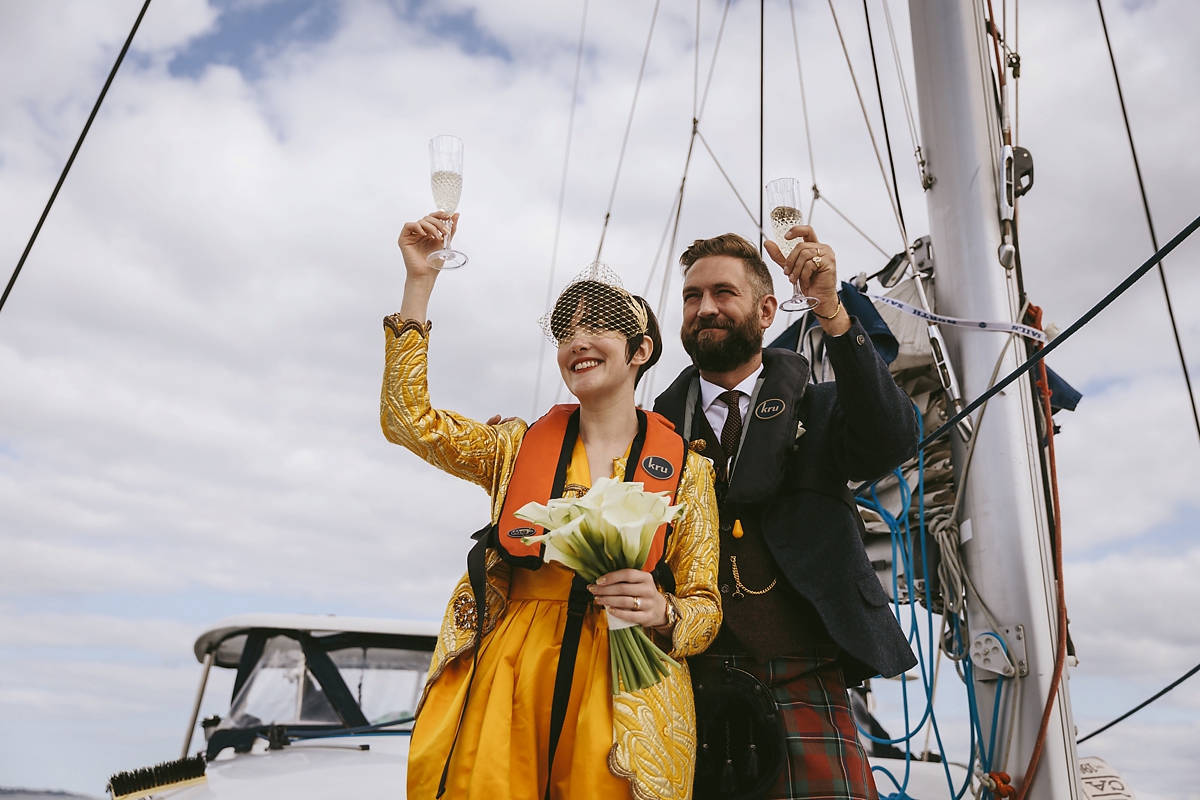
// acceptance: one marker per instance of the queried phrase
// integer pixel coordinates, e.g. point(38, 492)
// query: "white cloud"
point(191, 358)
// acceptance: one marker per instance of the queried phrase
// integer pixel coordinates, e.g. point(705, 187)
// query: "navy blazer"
point(857, 427)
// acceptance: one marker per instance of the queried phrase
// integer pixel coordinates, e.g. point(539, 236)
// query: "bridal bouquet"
point(611, 527)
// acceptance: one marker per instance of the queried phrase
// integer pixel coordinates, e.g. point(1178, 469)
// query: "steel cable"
point(1033, 360)
point(61, 178)
point(1137, 168)
point(562, 194)
point(637, 90)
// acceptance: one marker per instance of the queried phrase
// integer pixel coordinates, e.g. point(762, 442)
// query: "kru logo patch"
point(769, 408)
point(658, 467)
point(521, 533)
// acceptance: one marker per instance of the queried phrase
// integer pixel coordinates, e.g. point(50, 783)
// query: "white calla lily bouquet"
point(611, 527)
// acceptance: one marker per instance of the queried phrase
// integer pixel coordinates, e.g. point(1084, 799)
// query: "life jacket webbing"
point(656, 459)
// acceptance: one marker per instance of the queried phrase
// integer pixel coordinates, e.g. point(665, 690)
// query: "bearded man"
point(804, 613)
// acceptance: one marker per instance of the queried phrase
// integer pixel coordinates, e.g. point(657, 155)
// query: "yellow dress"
point(513, 692)
point(635, 744)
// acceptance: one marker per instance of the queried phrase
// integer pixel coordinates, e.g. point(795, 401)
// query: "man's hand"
point(813, 265)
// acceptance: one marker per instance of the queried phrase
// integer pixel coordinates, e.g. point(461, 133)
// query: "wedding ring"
point(637, 604)
point(816, 260)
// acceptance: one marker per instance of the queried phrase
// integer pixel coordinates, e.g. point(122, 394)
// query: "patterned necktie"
point(731, 434)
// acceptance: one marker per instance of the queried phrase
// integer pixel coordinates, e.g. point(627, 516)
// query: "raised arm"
point(873, 428)
point(467, 449)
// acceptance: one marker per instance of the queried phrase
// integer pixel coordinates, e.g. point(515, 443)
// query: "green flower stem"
point(613, 669)
point(625, 667)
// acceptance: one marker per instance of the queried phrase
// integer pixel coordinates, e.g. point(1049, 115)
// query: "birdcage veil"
point(595, 302)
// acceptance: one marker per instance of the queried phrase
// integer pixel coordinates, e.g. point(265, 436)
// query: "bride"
point(504, 741)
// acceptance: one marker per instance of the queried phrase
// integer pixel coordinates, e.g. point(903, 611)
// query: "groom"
point(803, 610)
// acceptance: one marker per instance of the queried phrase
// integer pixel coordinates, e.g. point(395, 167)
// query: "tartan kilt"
point(826, 760)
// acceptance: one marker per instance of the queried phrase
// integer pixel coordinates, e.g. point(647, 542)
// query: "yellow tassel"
point(737, 529)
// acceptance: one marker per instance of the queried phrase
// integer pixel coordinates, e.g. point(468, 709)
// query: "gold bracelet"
point(836, 311)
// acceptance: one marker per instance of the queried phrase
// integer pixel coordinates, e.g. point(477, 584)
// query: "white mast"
point(1009, 557)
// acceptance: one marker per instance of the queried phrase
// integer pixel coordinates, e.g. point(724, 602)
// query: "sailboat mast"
point(1009, 554)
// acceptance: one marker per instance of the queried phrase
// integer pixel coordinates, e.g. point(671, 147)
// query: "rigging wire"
point(887, 139)
point(762, 104)
point(562, 194)
point(713, 64)
point(697, 114)
point(637, 90)
point(1087, 317)
point(825, 200)
point(725, 175)
point(1141, 705)
point(914, 135)
point(870, 131)
point(812, 165)
point(61, 178)
point(1137, 168)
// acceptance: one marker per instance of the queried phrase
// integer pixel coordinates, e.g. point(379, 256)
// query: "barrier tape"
point(978, 324)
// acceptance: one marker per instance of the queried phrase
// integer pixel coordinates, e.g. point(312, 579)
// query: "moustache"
point(715, 324)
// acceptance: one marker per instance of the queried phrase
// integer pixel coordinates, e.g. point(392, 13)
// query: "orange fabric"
point(502, 747)
point(533, 476)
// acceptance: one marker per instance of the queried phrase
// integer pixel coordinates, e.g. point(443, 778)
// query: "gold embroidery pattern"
point(654, 739)
point(654, 731)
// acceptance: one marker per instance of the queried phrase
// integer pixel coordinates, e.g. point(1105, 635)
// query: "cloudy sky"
point(190, 362)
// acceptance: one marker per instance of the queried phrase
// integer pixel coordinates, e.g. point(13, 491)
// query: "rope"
point(1137, 168)
point(1133, 278)
point(1060, 655)
point(87, 126)
point(562, 194)
point(1141, 705)
point(637, 90)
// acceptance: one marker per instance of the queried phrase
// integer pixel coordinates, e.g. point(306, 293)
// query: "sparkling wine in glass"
point(446, 170)
point(783, 198)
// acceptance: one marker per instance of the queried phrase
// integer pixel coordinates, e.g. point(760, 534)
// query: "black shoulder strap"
point(477, 575)
point(577, 606)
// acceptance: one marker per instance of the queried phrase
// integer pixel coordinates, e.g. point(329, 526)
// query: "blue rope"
point(903, 550)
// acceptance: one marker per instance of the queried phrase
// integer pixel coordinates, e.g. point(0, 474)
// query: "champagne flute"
point(446, 167)
point(783, 197)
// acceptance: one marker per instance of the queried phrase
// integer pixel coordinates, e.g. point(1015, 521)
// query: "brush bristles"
point(161, 775)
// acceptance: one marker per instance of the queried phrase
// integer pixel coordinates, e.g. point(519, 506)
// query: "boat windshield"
point(385, 681)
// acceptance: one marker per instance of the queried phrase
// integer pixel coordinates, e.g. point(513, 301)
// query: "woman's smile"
point(585, 364)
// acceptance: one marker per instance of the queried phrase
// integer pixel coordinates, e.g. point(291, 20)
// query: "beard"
point(742, 341)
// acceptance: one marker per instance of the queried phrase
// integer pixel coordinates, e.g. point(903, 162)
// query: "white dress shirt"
point(716, 411)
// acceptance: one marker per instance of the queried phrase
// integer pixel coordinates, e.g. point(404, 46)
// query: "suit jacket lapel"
point(770, 427)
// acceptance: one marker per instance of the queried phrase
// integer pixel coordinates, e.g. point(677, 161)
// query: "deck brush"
point(159, 778)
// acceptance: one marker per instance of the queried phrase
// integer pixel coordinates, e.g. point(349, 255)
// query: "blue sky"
point(192, 356)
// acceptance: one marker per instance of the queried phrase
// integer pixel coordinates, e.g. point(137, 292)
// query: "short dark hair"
point(634, 342)
point(730, 244)
point(601, 307)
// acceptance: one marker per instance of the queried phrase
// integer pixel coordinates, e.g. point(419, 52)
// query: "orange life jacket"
point(657, 455)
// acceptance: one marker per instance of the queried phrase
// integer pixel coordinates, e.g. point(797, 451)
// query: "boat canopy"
point(227, 635)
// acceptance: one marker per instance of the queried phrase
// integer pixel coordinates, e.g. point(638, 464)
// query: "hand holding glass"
point(446, 168)
point(783, 198)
